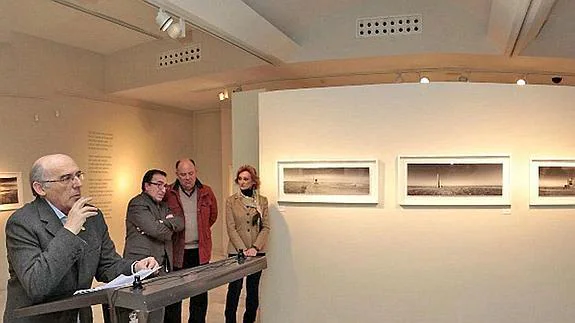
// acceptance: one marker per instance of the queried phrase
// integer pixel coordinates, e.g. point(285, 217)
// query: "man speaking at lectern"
point(58, 244)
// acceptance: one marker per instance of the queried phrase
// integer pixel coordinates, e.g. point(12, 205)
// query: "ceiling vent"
point(388, 26)
point(174, 57)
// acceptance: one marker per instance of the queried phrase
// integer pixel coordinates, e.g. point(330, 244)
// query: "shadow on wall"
point(270, 294)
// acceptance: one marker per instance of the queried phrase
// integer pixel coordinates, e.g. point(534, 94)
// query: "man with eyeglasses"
point(59, 243)
point(195, 202)
point(150, 224)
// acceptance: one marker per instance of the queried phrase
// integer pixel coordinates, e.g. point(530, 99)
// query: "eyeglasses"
point(160, 185)
point(67, 179)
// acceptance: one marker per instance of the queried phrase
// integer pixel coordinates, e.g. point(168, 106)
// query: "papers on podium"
point(120, 281)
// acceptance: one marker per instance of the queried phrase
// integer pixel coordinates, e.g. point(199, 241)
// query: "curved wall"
point(387, 263)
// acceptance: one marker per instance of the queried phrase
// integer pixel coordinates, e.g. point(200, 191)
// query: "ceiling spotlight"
point(164, 20)
point(424, 80)
point(177, 30)
point(521, 81)
point(223, 95)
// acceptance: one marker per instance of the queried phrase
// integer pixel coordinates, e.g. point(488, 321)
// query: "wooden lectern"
point(157, 292)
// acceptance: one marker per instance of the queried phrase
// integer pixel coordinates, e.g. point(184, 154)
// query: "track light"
point(164, 20)
point(167, 24)
point(223, 95)
point(521, 81)
point(177, 30)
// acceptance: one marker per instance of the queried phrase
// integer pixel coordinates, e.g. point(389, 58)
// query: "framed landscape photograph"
point(453, 180)
point(10, 191)
point(552, 182)
point(346, 181)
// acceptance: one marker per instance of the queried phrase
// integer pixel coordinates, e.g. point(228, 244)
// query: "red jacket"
point(207, 215)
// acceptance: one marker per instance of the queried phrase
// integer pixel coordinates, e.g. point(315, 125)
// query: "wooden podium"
point(157, 292)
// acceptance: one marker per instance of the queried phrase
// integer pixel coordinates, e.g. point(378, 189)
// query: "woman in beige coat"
point(248, 228)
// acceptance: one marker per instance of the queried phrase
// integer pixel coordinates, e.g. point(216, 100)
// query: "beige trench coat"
point(243, 233)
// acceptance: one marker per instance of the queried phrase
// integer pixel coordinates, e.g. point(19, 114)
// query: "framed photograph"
point(10, 191)
point(456, 180)
point(346, 181)
point(552, 182)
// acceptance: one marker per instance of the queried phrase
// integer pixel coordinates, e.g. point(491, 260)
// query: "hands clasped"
point(251, 252)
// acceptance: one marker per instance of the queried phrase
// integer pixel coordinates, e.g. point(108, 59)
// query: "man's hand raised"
point(78, 214)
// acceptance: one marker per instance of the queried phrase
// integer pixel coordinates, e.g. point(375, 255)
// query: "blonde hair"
point(254, 174)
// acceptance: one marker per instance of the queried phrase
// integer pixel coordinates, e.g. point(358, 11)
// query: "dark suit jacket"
point(47, 262)
point(148, 231)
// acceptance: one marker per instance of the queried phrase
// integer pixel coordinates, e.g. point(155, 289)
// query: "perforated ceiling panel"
point(389, 26)
point(185, 55)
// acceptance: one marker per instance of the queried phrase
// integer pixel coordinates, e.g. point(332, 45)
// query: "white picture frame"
point(11, 194)
point(552, 181)
point(332, 181)
point(453, 180)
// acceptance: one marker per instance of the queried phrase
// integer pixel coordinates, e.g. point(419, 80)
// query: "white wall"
point(386, 263)
point(226, 169)
point(208, 158)
point(245, 129)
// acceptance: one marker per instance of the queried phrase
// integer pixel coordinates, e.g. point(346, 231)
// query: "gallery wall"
point(208, 136)
point(245, 129)
point(139, 144)
point(51, 99)
point(388, 263)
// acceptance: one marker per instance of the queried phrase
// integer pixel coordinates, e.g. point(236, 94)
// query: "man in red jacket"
point(188, 198)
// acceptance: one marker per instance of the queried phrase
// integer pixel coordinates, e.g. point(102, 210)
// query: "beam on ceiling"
point(537, 16)
point(236, 23)
point(505, 22)
point(111, 19)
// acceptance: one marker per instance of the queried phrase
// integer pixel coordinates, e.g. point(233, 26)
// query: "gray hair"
point(36, 175)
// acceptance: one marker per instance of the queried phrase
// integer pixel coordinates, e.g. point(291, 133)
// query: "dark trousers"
point(252, 297)
point(198, 303)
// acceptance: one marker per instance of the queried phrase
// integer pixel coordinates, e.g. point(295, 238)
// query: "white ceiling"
point(253, 44)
